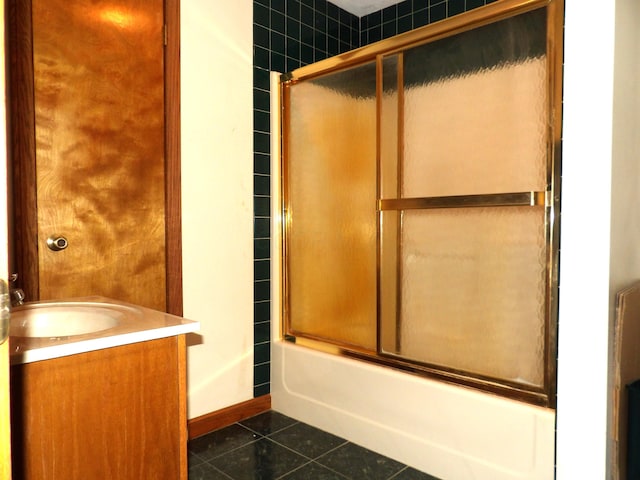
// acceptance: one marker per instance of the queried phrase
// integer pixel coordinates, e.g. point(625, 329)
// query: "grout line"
point(395, 475)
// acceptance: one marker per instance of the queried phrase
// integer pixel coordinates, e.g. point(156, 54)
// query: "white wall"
point(600, 228)
point(217, 199)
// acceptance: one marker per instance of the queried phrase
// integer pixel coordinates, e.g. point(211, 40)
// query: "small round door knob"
point(57, 243)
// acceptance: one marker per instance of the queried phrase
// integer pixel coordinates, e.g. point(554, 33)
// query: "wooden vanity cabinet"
point(116, 413)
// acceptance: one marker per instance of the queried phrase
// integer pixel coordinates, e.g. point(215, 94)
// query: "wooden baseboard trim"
point(222, 418)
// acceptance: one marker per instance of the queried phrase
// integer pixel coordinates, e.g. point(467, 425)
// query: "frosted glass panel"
point(473, 291)
point(331, 202)
point(389, 182)
point(476, 114)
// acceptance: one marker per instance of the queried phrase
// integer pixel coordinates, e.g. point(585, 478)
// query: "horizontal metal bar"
point(517, 199)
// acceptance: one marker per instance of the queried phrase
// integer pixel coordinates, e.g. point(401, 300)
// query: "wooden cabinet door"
point(5, 439)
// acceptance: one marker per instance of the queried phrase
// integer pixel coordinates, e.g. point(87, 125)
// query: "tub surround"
point(142, 324)
point(446, 430)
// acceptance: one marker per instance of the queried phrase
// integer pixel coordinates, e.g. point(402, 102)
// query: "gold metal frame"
point(549, 198)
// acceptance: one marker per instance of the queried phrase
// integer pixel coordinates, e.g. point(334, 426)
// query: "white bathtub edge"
point(448, 431)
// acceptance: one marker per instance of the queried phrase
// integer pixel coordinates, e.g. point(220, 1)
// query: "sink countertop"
point(143, 325)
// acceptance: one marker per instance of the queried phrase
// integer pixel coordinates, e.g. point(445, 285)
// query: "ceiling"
point(363, 7)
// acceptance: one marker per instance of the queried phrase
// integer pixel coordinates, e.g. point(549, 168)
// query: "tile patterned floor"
point(273, 446)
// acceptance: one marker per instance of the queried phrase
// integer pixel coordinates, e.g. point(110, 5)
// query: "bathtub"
point(445, 430)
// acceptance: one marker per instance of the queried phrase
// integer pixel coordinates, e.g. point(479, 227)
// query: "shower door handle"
point(57, 243)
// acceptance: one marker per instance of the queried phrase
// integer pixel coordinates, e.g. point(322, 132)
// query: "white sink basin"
point(64, 319)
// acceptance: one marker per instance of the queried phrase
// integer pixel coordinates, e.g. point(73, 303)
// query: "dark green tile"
point(313, 471)
point(306, 16)
point(374, 19)
point(405, 24)
point(205, 471)
point(278, 42)
point(261, 121)
point(293, 30)
point(261, 206)
point(261, 313)
point(261, 248)
point(278, 62)
point(320, 6)
point(268, 422)
point(358, 463)
point(261, 227)
point(261, 163)
point(389, 29)
point(261, 101)
point(333, 28)
point(277, 22)
point(261, 57)
point(260, 390)
point(420, 18)
point(293, 49)
point(333, 46)
point(292, 64)
point(333, 11)
point(193, 459)
point(344, 33)
point(375, 34)
point(261, 15)
point(413, 474)
point(261, 460)
point(261, 78)
point(306, 54)
point(261, 142)
point(262, 353)
point(405, 8)
point(261, 185)
point(320, 22)
point(261, 331)
point(221, 441)
point(261, 290)
point(293, 9)
point(390, 13)
point(437, 12)
point(307, 440)
point(278, 5)
point(471, 4)
point(261, 270)
point(261, 374)
point(455, 7)
point(260, 36)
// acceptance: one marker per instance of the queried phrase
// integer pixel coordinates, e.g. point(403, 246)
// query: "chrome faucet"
point(15, 294)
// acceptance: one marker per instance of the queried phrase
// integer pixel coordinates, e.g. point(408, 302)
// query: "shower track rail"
point(516, 199)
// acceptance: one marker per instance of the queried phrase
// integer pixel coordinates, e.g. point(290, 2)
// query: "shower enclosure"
point(421, 200)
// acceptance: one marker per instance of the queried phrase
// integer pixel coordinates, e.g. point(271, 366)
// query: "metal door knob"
point(57, 243)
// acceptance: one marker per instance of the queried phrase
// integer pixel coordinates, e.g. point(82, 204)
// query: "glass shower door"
point(464, 203)
point(330, 193)
point(420, 200)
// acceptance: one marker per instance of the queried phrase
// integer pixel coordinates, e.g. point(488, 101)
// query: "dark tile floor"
point(273, 446)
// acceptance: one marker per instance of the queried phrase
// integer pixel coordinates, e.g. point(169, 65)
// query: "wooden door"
point(98, 89)
point(90, 161)
point(5, 439)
